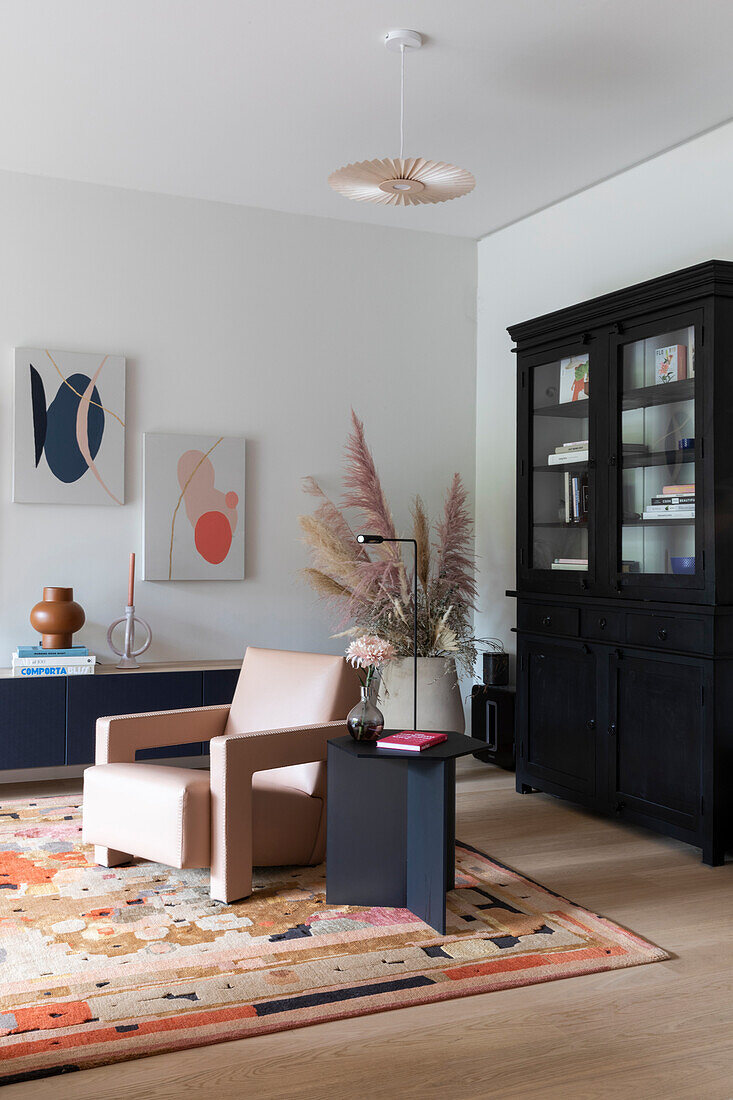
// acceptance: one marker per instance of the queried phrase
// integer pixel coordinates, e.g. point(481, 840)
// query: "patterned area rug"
point(98, 964)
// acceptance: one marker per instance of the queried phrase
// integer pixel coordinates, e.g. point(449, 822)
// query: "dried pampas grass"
point(374, 593)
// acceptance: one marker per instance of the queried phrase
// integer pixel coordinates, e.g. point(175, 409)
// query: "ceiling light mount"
point(402, 181)
point(402, 39)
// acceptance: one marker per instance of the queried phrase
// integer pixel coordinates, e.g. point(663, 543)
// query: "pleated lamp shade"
point(397, 181)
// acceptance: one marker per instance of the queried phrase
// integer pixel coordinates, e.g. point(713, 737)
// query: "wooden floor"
point(658, 1032)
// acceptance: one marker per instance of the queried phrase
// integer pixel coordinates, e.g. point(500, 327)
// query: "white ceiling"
point(257, 101)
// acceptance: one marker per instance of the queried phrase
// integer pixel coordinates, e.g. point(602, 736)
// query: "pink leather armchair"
point(263, 802)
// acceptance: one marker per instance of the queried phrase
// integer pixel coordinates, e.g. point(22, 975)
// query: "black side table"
point(391, 825)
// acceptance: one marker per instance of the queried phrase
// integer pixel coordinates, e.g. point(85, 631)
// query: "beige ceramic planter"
point(439, 705)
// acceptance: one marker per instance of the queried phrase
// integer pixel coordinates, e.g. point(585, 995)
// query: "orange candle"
point(131, 582)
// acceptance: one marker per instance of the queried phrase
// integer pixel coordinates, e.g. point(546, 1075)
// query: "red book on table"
point(411, 740)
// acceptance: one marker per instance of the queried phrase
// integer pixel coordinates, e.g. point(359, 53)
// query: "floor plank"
point(661, 1032)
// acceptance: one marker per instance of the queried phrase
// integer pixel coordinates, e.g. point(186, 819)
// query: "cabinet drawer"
point(603, 625)
point(549, 619)
point(662, 632)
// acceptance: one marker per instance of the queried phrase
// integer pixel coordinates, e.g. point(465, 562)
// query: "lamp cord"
point(402, 101)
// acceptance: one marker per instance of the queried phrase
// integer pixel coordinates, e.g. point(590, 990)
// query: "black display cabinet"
point(625, 554)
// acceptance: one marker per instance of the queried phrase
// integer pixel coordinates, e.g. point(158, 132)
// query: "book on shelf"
point(567, 456)
point(579, 566)
point(574, 379)
point(565, 448)
point(53, 666)
point(670, 364)
point(39, 651)
point(670, 515)
point(411, 740)
point(677, 490)
point(571, 561)
point(688, 498)
point(670, 509)
point(579, 498)
point(567, 495)
point(48, 659)
point(634, 448)
point(629, 567)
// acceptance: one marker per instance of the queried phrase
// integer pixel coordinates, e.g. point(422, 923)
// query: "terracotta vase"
point(57, 617)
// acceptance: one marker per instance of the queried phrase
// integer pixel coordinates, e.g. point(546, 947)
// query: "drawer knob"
point(602, 623)
point(591, 724)
point(620, 807)
point(612, 730)
point(546, 620)
point(662, 634)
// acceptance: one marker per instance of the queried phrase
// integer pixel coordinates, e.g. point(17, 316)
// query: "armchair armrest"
point(119, 737)
point(235, 758)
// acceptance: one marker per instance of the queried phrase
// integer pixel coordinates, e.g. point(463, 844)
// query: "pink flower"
point(369, 651)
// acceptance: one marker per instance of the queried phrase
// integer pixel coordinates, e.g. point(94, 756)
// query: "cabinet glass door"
point(561, 498)
point(656, 456)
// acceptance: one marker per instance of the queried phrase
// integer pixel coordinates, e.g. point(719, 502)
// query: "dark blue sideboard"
point(49, 723)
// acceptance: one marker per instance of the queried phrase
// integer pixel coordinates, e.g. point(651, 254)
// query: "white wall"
point(673, 211)
point(233, 321)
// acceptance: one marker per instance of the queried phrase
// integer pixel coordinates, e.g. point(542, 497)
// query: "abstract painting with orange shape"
point(69, 427)
point(193, 525)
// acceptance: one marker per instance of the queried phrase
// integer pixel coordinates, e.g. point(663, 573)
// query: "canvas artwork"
point(69, 441)
point(574, 378)
point(193, 511)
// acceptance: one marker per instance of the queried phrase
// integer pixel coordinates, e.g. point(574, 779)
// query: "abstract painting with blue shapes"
point(69, 427)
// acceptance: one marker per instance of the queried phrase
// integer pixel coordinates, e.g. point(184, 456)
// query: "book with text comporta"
point(411, 740)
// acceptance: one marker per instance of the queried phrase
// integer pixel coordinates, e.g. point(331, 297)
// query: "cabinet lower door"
point(557, 699)
point(32, 722)
point(656, 738)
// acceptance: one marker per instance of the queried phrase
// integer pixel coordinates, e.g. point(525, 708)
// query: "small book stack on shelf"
point(570, 563)
point(576, 498)
point(676, 502)
point(34, 660)
point(568, 453)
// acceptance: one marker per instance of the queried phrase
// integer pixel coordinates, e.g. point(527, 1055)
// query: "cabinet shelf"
point(547, 469)
point(575, 410)
point(566, 526)
point(661, 523)
point(668, 393)
point(659, 458)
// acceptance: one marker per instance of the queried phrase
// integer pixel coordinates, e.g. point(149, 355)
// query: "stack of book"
point(569, 452)
point(570, 563)
point(676, 502)
point(34, 660)
point(576, 498)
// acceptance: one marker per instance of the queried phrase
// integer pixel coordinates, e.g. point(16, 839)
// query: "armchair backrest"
point(278, 688)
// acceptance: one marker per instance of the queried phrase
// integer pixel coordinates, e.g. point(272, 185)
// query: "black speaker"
point(492, 721)
point(496, 669)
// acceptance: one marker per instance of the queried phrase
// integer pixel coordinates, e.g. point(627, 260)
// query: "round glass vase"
point(365, 721)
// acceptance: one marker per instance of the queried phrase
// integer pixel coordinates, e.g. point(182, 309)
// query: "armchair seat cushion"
point(164, 814)
point(286, 822)
point(159, 813)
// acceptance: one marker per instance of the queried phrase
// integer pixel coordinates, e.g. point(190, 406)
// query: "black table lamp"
point(378, 539)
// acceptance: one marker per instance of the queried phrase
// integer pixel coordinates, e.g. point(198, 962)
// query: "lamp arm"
point(367, 538)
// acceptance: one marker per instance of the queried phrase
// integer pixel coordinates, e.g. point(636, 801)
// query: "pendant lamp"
point(402, 181)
